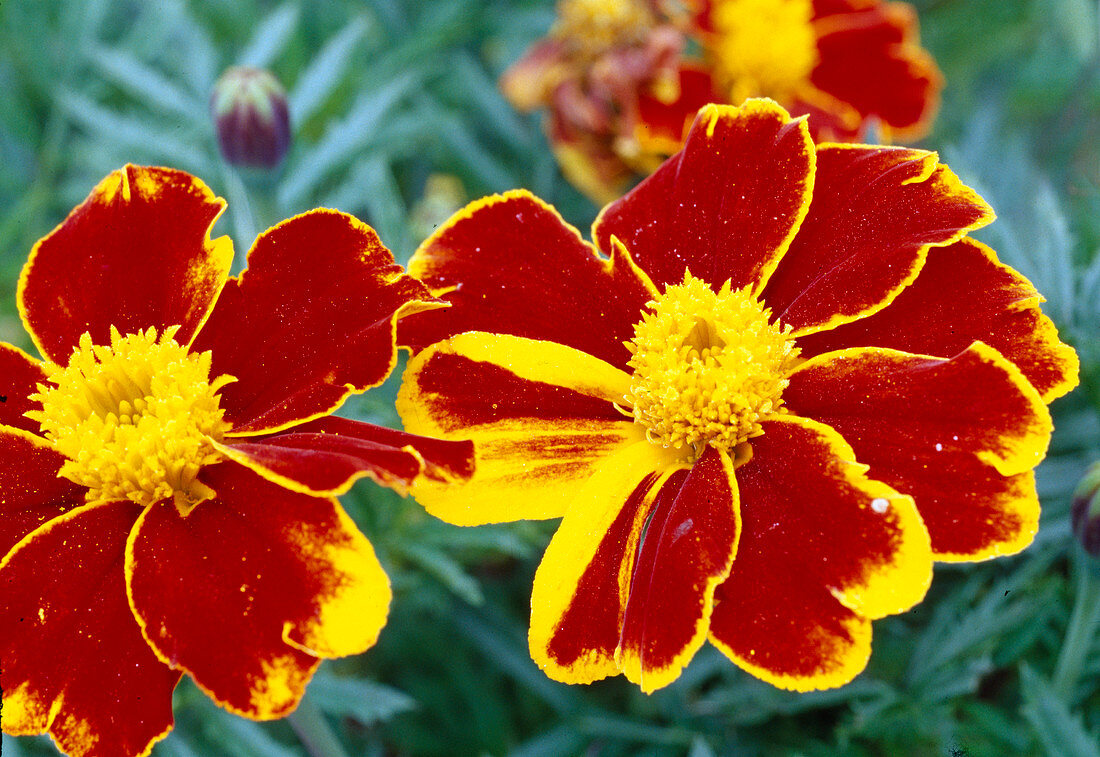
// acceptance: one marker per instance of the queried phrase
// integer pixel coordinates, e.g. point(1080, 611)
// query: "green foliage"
point(385, 93)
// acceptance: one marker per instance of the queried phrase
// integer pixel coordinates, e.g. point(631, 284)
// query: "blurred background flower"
point(384, 93)
point(621, 79)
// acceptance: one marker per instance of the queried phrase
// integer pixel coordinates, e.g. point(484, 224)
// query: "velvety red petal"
point(136, 253)
point(20, 375)
point(328, 455)
point(74, 662)
point(824, 8)
point(871, 59)
point(727, 206)
point(875, 213)
point(816, 506)
point(30, 491)
point(582, 584)
point(510, 264)
point(956, 434)
point(310, 321)
point(249, 589)
point(783, 629)
point(541, 415)
point(964, 294)
point(822, 548)
point(687, 550)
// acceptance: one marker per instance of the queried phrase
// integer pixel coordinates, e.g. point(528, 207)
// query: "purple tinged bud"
point(250, 115)
point(1085, 512)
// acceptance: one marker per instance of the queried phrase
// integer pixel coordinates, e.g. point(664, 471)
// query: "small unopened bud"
point(1085, 513)
point(250, 115)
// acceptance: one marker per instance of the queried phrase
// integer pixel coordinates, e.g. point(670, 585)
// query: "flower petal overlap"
point(210, 543)
point(620, 103)
point(827, 503)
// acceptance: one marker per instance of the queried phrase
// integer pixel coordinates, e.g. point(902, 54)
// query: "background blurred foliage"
point(386, 93)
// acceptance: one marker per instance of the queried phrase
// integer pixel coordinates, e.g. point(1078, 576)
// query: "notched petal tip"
point(136, 253)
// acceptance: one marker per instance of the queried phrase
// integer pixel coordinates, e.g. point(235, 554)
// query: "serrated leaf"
point(484, 95)
point(270, 37)
point(174, 747)
point(364, 701)
point(490, 538)
point(1059, 731)
point(501, 643)
point(700, 748)
point(245, 738)
point(325, 72)
point(446, 570)
point(474, 157)
point(134, 133)
point(558, 741)
point(612, 726)
point(9, 745)
point(371, 186)
point(146, 84)
point(342, 140)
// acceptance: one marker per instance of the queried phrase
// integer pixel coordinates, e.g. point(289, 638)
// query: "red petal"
point(727, 206)
point(75, 663)
point(964, 294)
point(20, 375)
point(328, 455)
point(248, 590)
point(871, 59)
point(946, 431)
point(509, 264)
point(875, 213)
point(31, 492)
point(822, 547)
point(309, 322)
point(687, 550)
point(783, 629)
point(814, 505)
point(829, 7)
point(583, 581)
point(542, 417)
point(136, 253)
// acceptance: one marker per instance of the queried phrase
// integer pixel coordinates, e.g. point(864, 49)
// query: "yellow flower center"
point(707, 366)
point(763, 47)
point(136, 420)
point(596, 26)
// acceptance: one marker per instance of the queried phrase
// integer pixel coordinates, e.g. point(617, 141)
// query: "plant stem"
point(1081, 629)
point(314, 731)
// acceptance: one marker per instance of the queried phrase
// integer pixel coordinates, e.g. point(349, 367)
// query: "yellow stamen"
point(596, 26)
point(136, 419)
point(763, 47)
point(707, 367)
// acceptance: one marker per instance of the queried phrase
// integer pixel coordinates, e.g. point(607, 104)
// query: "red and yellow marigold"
point(780, 383)
point(592, 73)
point(847, 64)
point(168, 470)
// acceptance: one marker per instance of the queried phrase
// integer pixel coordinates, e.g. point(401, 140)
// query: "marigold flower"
point(169, 470)
point(844, 63)
point(781, 383)
point(601, 59)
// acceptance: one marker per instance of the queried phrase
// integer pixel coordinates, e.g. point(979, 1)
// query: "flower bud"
point(1085, 513)
point(250, 115)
